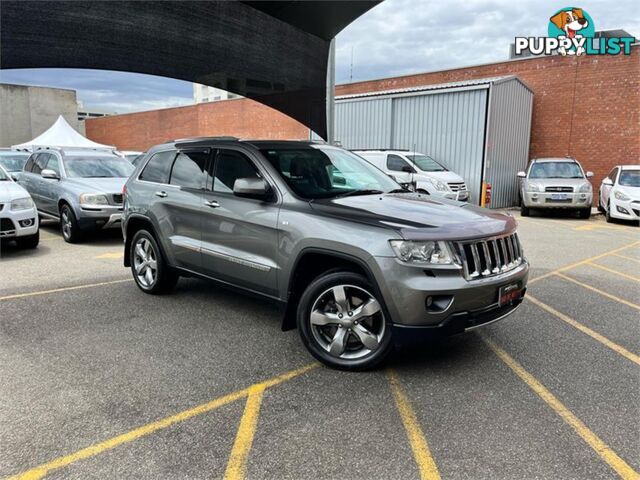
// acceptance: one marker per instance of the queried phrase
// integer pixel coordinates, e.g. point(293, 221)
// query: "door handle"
point(161, 194)
point(212, 204)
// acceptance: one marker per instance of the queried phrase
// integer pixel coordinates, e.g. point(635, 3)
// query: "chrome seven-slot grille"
point(490, 256)
point(457, 186)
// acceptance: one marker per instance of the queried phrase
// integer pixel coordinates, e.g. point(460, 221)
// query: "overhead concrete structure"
point(273, 52)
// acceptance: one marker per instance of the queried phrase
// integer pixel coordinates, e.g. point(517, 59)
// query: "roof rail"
point(380, 149)
point(203, 139)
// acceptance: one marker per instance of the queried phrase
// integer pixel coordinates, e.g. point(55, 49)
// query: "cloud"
point(397, 37)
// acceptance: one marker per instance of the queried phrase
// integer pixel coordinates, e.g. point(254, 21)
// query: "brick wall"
point(587, 107)
point(242, 118)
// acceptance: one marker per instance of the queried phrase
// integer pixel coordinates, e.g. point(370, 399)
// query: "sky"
point(397, 37)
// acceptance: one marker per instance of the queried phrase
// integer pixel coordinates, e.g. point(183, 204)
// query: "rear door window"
point(158, 169)
point(189, 169)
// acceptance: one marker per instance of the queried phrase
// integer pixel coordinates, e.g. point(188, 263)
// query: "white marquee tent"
point(61, 134)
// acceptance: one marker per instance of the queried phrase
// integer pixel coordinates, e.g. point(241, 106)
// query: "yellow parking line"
point(582, 262)
point(63, 289)
point(422, 454)
point(111, 255)
point(593, 334)
point(93, 450)
point(611, 270)
point(237, 465)
point(627, 258)
point(602, 449)
point(601, 292)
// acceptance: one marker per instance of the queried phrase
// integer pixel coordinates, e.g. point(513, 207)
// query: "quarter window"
point(158, 168)
point(231, 165)
point(396, 163)
point(188, 169)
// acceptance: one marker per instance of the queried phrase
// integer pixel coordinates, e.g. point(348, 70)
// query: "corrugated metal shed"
point(477, 128)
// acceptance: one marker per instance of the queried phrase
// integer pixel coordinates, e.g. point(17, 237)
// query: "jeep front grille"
point(489, 257)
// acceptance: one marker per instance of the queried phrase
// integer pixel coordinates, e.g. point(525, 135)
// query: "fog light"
point(438, 303)
point(27, 223)
point(622, 210)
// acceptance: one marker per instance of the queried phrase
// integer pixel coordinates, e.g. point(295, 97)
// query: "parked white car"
point(18, 215)
point(418, 172)
point(620, 193)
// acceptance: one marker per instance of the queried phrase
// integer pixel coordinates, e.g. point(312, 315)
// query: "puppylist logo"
point(572, 32)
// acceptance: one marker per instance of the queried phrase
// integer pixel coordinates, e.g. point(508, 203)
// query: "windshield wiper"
point(361, 192)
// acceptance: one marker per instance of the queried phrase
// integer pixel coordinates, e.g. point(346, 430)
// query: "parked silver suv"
point(82, 188)
point(358, 263)
point(556, 183)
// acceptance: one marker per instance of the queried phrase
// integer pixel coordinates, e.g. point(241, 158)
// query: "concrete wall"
point(26, 112)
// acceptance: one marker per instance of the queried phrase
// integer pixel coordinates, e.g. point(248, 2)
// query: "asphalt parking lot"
point(98, 380)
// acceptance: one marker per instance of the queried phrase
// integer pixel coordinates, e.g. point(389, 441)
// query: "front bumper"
point(629, 210)
point(99, 217)
point(18, 223)
point(407, 291)
point(460, 195)
point(569, 200)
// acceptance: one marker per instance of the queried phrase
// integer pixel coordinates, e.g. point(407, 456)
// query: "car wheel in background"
point(69, 225)
point(607, 213)
point(584, 213)
point(148, 266)
point(524, 211)
point(342, 323)
point(30, 241)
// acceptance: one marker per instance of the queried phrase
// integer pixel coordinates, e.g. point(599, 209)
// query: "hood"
point(97, 185)
point(559, 182)
point(10, 191)
point(446, 177)
point(633, 192)
point(418, 217)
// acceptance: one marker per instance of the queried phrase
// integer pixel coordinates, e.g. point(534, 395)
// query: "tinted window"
point(158, 168)
point(29, 165)
point(188, 169)
point(396, 163)
point(53, 164)
point(231, 165)
point(41, 161)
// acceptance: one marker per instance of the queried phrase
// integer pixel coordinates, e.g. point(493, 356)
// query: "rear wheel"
point(69, 225)
point(342, 323)
point(524, 211)
point(30, 241)
point(607, 213)
point(148, 266)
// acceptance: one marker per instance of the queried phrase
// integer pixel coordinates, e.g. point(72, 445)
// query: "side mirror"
point(522, 174)
point(252, 188)
point(607, 181)
point(14, 177)
point(589, 174)
point(50, 174)
point(408, 169)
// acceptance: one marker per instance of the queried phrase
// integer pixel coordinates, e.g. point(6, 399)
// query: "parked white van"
point(418, 172)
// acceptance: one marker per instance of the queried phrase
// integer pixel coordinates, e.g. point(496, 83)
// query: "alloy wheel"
point(67, 226)
point(347, 322)
point(145, 263)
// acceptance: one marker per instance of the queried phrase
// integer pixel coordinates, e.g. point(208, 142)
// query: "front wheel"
point(584, 213)
point(148, 266)
point(524, 211)
point(30, 241)
point(342, 323)
point(607, 213)
point(69, 225)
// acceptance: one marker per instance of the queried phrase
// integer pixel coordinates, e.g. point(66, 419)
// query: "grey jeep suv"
point(80, 187)
point(358, 263)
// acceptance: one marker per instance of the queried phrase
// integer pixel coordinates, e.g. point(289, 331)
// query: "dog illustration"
point(570, 22)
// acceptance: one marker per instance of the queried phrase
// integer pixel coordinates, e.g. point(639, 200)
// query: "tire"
point(524, 211)
point(333, 334)
point(584, 213)
point(30, 241)
point(69, 227)
point(607, 213)
point(600, 207)
point(155, 281)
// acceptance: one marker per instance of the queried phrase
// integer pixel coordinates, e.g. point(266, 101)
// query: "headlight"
point(433, 253)
point(534, 187)
point(621, 196)
point(586, 188)
point(440, 186)
point(22, 203)
point(93, 199)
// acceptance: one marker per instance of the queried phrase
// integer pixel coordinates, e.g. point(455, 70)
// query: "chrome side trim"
point(239, 261)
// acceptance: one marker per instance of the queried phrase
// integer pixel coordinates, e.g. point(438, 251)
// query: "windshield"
point(318, 172)
point(629, 178)
point(426, 164)
point(3, 176)
point(555, 170)
point(94, 167)
point(13, 162)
